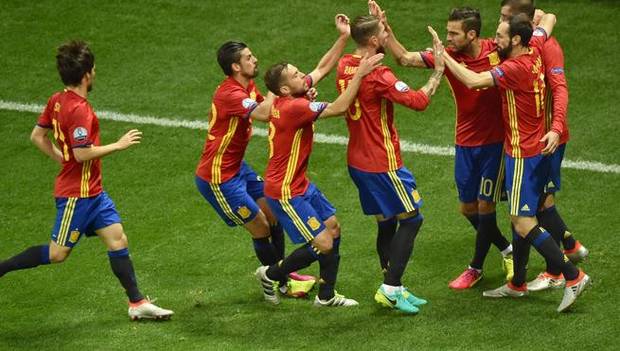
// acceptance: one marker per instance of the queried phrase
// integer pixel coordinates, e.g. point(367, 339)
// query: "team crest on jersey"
point(314, 223)
point(248, 103)
point(317, 106)
point(80, 133)
point(244, 212)
point(493, 59)
point(401, 86)
point(57, 107)
point(75, 235)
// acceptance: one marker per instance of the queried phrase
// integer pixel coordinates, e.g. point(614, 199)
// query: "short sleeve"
point(306, 112)
point(539, 36)
point(506, 75)
point(240, 103)
point(428, 58)
point(45, 119)
point(399, 92)
point(81, 133)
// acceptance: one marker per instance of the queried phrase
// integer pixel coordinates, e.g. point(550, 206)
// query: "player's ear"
point(285, 90)
point(516, 40)
point(236, 67)
point(471, 35)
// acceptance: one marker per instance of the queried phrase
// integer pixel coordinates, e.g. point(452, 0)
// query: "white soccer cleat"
point(506, 290)
point(270, 287)
point(572, 290)
point(336, 301)
point(578, 253)
point(145, 309)
point(545, 281)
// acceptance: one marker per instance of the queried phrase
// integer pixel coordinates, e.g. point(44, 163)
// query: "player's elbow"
point(79, 155)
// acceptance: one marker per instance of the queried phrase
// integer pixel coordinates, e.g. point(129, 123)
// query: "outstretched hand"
point(132, 137)
point(438, 48)
point(368, 64)
point(342, 24)
point(375, 10)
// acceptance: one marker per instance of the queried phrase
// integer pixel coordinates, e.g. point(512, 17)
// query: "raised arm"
point(342, 103)
point(41, 140)
point(261, 112)
point(91, 152)
point(433, 82)
point(547, 22)
point(470, 78)
point(330, 59)
point(401, 54)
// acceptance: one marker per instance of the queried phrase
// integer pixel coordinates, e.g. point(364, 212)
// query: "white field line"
point(318, 137)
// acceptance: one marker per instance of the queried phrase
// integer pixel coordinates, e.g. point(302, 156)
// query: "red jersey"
point(522, 86)
point(290, 144)
point(374, 145)
point(75, 124)
point(230, 128)
point(478, 111)
point(556, 98)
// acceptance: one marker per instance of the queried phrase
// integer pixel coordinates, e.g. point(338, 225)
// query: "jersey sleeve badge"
point(401, 86)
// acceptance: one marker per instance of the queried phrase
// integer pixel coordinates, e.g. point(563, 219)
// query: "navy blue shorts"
point(479, 172)
point(525, 182)
point(555, 164)
point(235, 199)
point(387, 194)
point(303, 216)
point(76, 216)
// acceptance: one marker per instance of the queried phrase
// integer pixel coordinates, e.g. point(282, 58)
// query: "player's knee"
point(59, 255)
point(335, 229)
point(323, 242)
point(118, 243)
point(486, 207)
point(259, 226)
point(548, 201)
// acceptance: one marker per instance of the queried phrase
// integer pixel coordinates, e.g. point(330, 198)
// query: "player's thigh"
point(230, 200)
point(299, 219)
point(466, 174)
point(491, 172)
point(73, 216)
point(525, 179)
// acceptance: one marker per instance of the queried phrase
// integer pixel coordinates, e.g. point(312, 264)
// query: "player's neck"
point(80, 90)
point(518, 51)
point(473, 49)
point(244, 81)
point(363, 51)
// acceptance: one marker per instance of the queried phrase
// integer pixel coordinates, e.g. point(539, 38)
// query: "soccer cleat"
point(578, 253)
point(336, 301)
point(507, 290)
point(545, 281)
point(397, 300)
point(466, 280)
point(412, 299)
point(145, 309)
point(299, 288)
point(269, 286)
point(508, 266)
point(573, 289)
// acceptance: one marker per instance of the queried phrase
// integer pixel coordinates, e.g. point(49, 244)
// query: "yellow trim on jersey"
point(387, 139)
point(291, 165)
point(497, 195)
point(517, 180)
point(65, 223)
point(514, 124)
point(58, 135)
point(221, 200)
point(401, 191)
point(216, 172)
point(299, 224)
point(85, 180)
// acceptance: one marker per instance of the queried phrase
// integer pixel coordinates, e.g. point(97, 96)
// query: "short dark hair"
point(469, 17)
point(522, 26)
point(229, 53)
point(364, 27)
point(73, 60)
point(521, 6)
point(273, 77)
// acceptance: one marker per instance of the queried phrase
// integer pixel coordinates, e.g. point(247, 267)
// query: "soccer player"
point(387, 189)
point(478, 166)
point(520, 80)
point(556, 105)
point(224, 179)
point(83, 207)
point(306, 214)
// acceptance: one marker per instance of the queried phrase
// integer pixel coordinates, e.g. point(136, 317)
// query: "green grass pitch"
point(158, 58)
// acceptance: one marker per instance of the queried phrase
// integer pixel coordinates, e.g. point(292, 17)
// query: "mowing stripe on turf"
point(318, 137)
